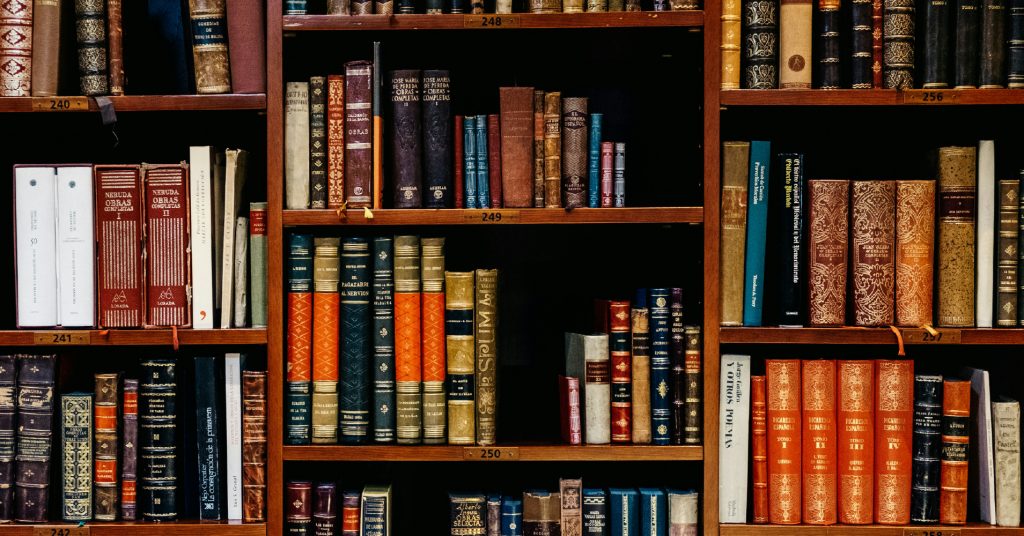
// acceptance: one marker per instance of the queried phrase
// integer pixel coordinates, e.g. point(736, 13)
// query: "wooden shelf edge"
point(128, 528)
point(971, 529)
point(156, 103)
point(453, 453)
point(854, 335)
point(508, 216)
point(869, 97)
point(132, 337)
point(618, 19)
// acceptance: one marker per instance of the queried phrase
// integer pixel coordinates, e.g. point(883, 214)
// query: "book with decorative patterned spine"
point(461, 357)
point(168, 301)
point(855, 444)
point(735, 169)
point(469, 161)
point(8, 409)
point(494, 160)
point(298, 508)
point(992, 67)
point(955, 256)
point(408, 340)
point(552, 149)
point(795, 36)
point(661, 392)
point(105, 422)
point(784, 441)
point(894, 418)
point(483, 177)
point(1020, 251)
point(296, 145)
point(45, 42)
point(432, 306)
point(91, 33)
point(383, 340)
point(677, 365)
point(595, 512)
point(621, 399)
point(640, 376)
point(325, 514)
point(485, 333)
point(828, 236)
point(570, 410)
point(619, 176)
point(898, 44)
point(119, 235)
point(1006, 253)
point(607, 181)
point(876, 43)
point(517, 146)
point(935, 44)
point(326, 312)
point(731, 10)
point(693, 388)
point(539, 142)
point(757, 209)
point(355, 293)
point(860, 55)
point(467, 514)
point(570, 493)
point(16, 52)
point(574, 152)
point(76, 443)
point(956, 413)
point(358, 133)
point(299, 274)
point(335, 141)
point(828, 32)
point(210, 46)
point(759, 448)
point(129, 452)
point(157, 438)
point(1006, 436)
point(318, 142)
point(587, 360)
point(350, 512)
point(819, 442)
point(437, 139)
point(871, 253)
point(915, 247)
point(208, 393)
point(254, 446)
point(924, 490)
point(760, 44)
point(406, 137)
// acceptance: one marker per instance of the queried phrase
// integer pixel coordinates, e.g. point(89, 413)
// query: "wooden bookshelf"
point(127, 528)
point(451, 453)
point(145, 103)
point(971, 529)
point(133, 337)
point(854, 335)
point(871, 97)
point(502, 216)
point(632, 19)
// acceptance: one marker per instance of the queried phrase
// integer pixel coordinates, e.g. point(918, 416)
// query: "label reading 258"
point(931, 532)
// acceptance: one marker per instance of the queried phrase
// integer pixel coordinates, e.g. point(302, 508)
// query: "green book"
point(258, 263)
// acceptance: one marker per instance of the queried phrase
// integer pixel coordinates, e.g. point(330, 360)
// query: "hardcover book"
point(167, 275)
point(35, 433)
point(915, 248)
point(45, 52)
point(819, 441)
point(992, 67)
point(358, 128)
point(619, 181)
point(356, 347)
point(985, 234)
point(325, 514)
point(570, 493)
point(541, 513)
point(732, 244)
point(872, 243)
point(981, 467)
point(326, 313)
point(574, 152)
point(784, 441)
point(1006, 436)
point(486, 338)
point(594, 161)
point(956, 206)
point(460, 159)
point(924, 491)
point(208, 393)
point(36, 247)
point(898, 43)
point(129, 451)
point(298, 508)
point(607, 173)
point(76, 441)
point(206, 175)
point(828, 236)
point(494, 515)
point(619, 344)
point(350, 512)
point(517, 132)
point(623, 517)
point(246, 35)
point(375, 509)
point(408, 365)
point(157, 439)
point(641, 373)
point(105, 473)
point(469, 161)
point(552, 149)
point(468, 514)
point(236, 167)
point(511, 516)
point(587, 360)
point(16, 48)
point(494, 160)
point(653, 511)
point(233, 406)
point(299, 274)
point(383, 340)
point(795, 36)
point(682, 512)
point(855, 443)
point(894, 417)
point(539, 143)
point(677, 366)
point(240, 283)
point(406, 138)
point(760, 44)
point(595, 512)
point(757, 205)
point(437, 139)
point(483, 174)
point(254, 446)
point(8, 409)
point(76, 254)
point(965, 28)
point(956, 412)
point(570, 409)
point(733, 439)
point(258, 263)
point(1015, 42)
point(91, 34)
point(461, 357)
point(791, 249)
point(335, 141)
point(935, 44)
point(1006, 278)
point(860, 47)
point(119, 235)
point(759, 447)
point(434, 359)
point(730, 47)
point(210, 46)
point(828, 31)
point(296, 145)
point(318, 142)
point(661, 393)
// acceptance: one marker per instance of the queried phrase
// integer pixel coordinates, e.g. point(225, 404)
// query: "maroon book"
point(119, 271)
point(459, 177)
point(494, 158)
point(569, 406)
point(607, 170)
point(358, 133)
point(246, 50)
point(167, 240)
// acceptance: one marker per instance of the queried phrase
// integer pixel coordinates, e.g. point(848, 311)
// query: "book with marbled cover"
point(872, 229)
point(956, 413)
point(924, 492)
point(894, 418)
point(326, 313)
point(955, 256)
point(784, 440)
point(354, 390)
point(299, 273)
point(828, 236)
point(819, 441)
point(915, 247)
point(383, 340)
point(254, 446)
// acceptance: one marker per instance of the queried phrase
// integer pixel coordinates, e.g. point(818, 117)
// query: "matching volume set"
point(864, 44)
point(129, 246)
point(897, 245)
point(437, 7)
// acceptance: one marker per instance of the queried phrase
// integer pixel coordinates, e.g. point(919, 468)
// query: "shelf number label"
point(52, 338)
point(60, 530)
point(490, 454)
point(931, 532)
point(492, 216)
point(923, 336)
point(60, 104)
point(490, 21)
point(930, 96)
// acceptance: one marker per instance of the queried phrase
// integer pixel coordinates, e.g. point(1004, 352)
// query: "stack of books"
point(368, 512)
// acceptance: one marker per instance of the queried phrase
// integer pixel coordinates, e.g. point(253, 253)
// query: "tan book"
point(956, 205)
point(795, 35)
point(461, 352)
point(486, 335)
point(915, 251)
point(731, 10)
point(553, 149)
point(735, 169)
point(872, 252)
point(641, 374)
point(45, 47)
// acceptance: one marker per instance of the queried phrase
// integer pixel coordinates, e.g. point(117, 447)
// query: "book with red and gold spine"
point(350, 513)
point(759, 433)
point(855, 440)
point(956, 414)
point(129, 451)
point(167, 239)
point(819, 442)
point(494, 159)
point(16, 49)
point(783, 389)
point(119, 224)
point(871, 255)
point(105, 473)
point(335, 141)
point(894, 435)
point(915, 246)
point(408, 365)
point(828, 236)
point(435, 362)
point(619, 343)
point(326, 311)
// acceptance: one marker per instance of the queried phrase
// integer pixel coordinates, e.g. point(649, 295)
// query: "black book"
point(208, 392)
point(677, 372)
point(383, 340)
point(356, 346)
point(992, 66)
point(8, 374)
point(790, 251)
point(934, 44)
point(1020, 257)
point(158, 440)
point(468, 513)
point(965, 52)
point(595, 512)
point(35, 437)
point(318, 142)
point(924, 493)
point(898, 44)
point(828, 45)
point(437, 139)
point(1015, 54)
point(760, 44)
point(861, 54)
point(406, 138)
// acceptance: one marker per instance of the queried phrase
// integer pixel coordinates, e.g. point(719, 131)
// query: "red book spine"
point(335, 141)
point(956, 415)
point(119, 223)
point(167, 259)
point(759, 433)
point(894, 429)
point(855, 440)
point(607, 173)
point(819, 442)
point(569, 398)
point(783, 382)
point(494, 159)
point(620, 343)
point(459, 163)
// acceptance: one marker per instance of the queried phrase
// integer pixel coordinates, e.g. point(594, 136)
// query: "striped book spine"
point(355, 345)
point(435, 419)
point(661, 399)
point(383, 340)
point(408, 367)
point(461, 354)
point(326, 310)
point(300, 333)
point(105, 475)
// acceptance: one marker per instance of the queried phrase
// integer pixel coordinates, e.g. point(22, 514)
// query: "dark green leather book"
point(383, 340)
point(356, 346)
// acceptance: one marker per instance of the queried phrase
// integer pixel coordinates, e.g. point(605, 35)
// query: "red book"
point(602, 322)
point(819, 442)
point(167, 244)
point(607, 173)
point(620, 343)
point(246, 54)
point(855, 440)
point(569, 404)
point(494, 159)
point(956, 415)
point(894, 431)
point(783, 382)
point(459, 163)
point(335, 141)
point(119, 270)
point(759, 433)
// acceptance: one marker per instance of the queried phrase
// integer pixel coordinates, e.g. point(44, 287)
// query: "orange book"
point(326, 308)
point(855, 440)
point(819, 442)
point(783, 387)
point(956, 414)
point(300, 312)
point(894, 430)
point(435, 359)
point(759, 431)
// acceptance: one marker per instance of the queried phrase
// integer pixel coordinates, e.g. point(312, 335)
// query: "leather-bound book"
point(1015, 41)
point(375, 511)
point(1007, 276)
point(819, 441)
point(486, 338)
point(129, 451)
point(115, 47)
point(408, 340)
point(641, 365)
point(735, 167)
point(935, 43)
point(956, 206)
point(574, 152)
point(467, 514)
point(335, 141)
point(759, 448)
point(326, 313)
point(325, 514)
point(791, 249)
point(254, 446)
point(299, 274)
point(406, 138)
point(915, 251)
point(356, 347)
point(855, 443)
point(1020, 257)
point(494, 160)
point(595, 512)
point(619, 185)
point(157, 439)
point(208, 393)
point(828, 44)
point(8, 400)
point(483, 176)
point(33, 447)
point(693, 380)
point(828, 235)
point(653, 511)
point(545, 6)
point(992, 65)
point(661, 393)
point(570, 411)
point(760, 44)
point(382, 7)
point(45, 43)
point(296, 145)
point(552, 149)
point(338, 7)
point(607, 173)
point(432, 307)
point(16, 48)
point(318, 142)
point(517, 130)
point(383, 332)
point(469, 161)
point(358, 129)
point(899, 44)
point(623, 517)
point(677, 367)
point(871, 254)
point(119, 235)
point(437, 139)
point(76, 444)
point(461, 357)
point(350, 512)
point(924, 491)
point(1006, 436)
point(105, 475)
point(459, 163)
point(570, 493)
point(572, 6)
point(246, 20)
point(784, 441)
point(298, 517)
point(619, 345)
point(539, 142)
point(956, 413)
point(594, 161)
point(587, 360)
point(965, 49)
point(542, 513)
point(730, 47)
point(210, 45)
point(168, 302)
point(795, 36)
point(860, 44)
point(894, 417)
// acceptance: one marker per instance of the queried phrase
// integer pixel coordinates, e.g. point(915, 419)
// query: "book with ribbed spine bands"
point(485, 334)
point(254, 446)
point(872, 251)
point(1007, 274)
point(968, 35)
point(168, 301)
point(818, 398)
point(735, 170)
point(105, 475)
point(552, 149)
point(326, 313)
point(8, 409)
point(298, 508)
point(898, 44)
point(574, 152)
point(354, 389)
point(1015, 42)
point(677, 365)
point(383, 340)
point(855, 443)
point(828, 32)
point(468, 514)
point(924, 493)
point(258, 263)
point(517, 146)
point(956, 412)
point(935, 43)
point(91, 33)
point(129, 452)
point(325, 514)
point(861, 53)
point(35, 396)
point(157, 440)
point(784, 441)
point(730, 46)
point(318, 142)
point(76, 443)
point(894, 417)
point(992, 67)
point(210, 46)
point(661, 392)
point(539, 143)
point(119, 235)
point(460, 347)
point(299, 274)
point(359, 133)
point(408, 365)
point(437, 139)
point(693, 389)
point(1006, 436)
point(16, 48)
point(619, 345)
point(955, 254)
point(760, 44)
point(640, 376)
point(335, 141)
point(434, 359)
point(587, 360)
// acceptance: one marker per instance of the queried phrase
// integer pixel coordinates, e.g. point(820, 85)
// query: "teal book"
point(757, 221)
point(594, 162)
point(483, 184)
point(469, 148)
point(653, 512)
point(623, 515)
point(356, 345)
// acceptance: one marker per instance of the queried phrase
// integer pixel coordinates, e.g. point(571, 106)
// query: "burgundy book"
point(607, 170)
point(246, 46)
point(517, 146)
point(358, 133)
point(167, 244)
point(459, 177)
point(569, 406)
point(494, 159)
point(119, 221)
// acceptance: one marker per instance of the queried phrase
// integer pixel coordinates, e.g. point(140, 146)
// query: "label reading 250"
point(491, 454)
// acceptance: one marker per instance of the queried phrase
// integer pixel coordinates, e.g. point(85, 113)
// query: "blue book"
point(594, 169)
point(483, 185)
point(624, 518)
point(661, 346)
point(167, 67)
point(757, 221)
point(354, 290)
point(208, 392)
point(383, 340)
point(595, 512)
point(294, 7)
point(469, 143)
point(299, 273)
point(653, 512)
point(511, 517)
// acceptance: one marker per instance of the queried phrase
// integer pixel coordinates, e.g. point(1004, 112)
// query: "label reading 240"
point(60, 104)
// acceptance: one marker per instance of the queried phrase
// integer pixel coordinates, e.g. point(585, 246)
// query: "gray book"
point(1006, 436)
point(258, 264)
point(241, 290)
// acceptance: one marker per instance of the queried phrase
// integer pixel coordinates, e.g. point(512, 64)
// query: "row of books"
point(861, 441)
point(541, 150)
point(437, 7)
point(366, 512)
point(180, 48)
point(864, 45)
point(648, 388)
point(898, 245)
point(416, 348)
point(127, 246)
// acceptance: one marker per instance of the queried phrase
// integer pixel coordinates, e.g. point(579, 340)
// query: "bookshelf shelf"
point(449, 453)
point(971, 529)
point(855, 335)
point(127, 528)
point(869, 97)
point(645, 19)
point(503, 216)
point(132, 337)
point(155, 103)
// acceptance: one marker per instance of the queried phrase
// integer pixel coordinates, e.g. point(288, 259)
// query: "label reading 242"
point(490, 21)
point(491, 454)
point(60, 530)
point(931, 532)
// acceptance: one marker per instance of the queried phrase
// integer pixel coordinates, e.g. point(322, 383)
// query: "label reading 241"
point(60, 104)
point(490, 21)
point(60, 530)
point(931, 532)
point(54, 338)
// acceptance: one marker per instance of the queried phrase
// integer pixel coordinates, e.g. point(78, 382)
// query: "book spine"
point(375, 511)
point(318, 142)
point(1015, 41)
point(894, 415)
point(607, 173)
point(624, 518)
point(254, 446)
point(407, 137)
point(201, 163)
point(872, 251)
point(661, 395)
point(350, 513)
point(792, 252)
point(541, 513)
point(258, 263)
point(967, 32)
point(45, 42)
point(406, 7)
point(511, 517)
point(915, 247)
point(956, 207)
point(619, 181)
point(924, 491)
point(354, 390)
point(693, 387)
point(33, 448)
point(760, 44)
point(76, 440)
point(299, 507)
point(436, 7)
point(379, 7)
point(956, 411)
point(296, 144)
point(76, 304)
point(828, 43)
point(784, 441)
point(594, 161)
point(876, 43)
point(641, 369)
point(1006, 267)
point(570, 496)
point(595, 513)
point(652, 511)
point(437, 139)
point(935, 48)
point(486, 338)
point(574, 152)
point(377, 124)
point(338, 7)
point(730, 47)
point(208, 468)
point(461, 357)
point(828, 236)
point(795, 36)
point(733, 240)
point(408, 366)
point(1006, 435)
point(240, 285)
point(469, 137)
point(552, 149)
point(467, 514)
point(326, 313)
point(759, 448)
point(860, 44)
point(119, 246)
point(167, 232)
point(210, 46)
point(677, 365)
point(115, 47)
point(483, 177)
point(335, 141)
point(682, 512)
point(517, 146)
point(435, 417)
point(105, 467)
point(246, 34)
point(157, 438)
point(358, 131)
point(91, 33)
point(992, 64)
point(129, 452)
point(985, 234)
point(8, 410)
point(494, 160)
point(300, 335)
point(855, 441)
point(757, 207)
point(898, 43)
point(539, 144)
point(1020, 256)
point(619, 344)
point(819, 442)
point(383, 340)
point(459, 163)
point(325, 515)
point(569, 409)
point(234, 438)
